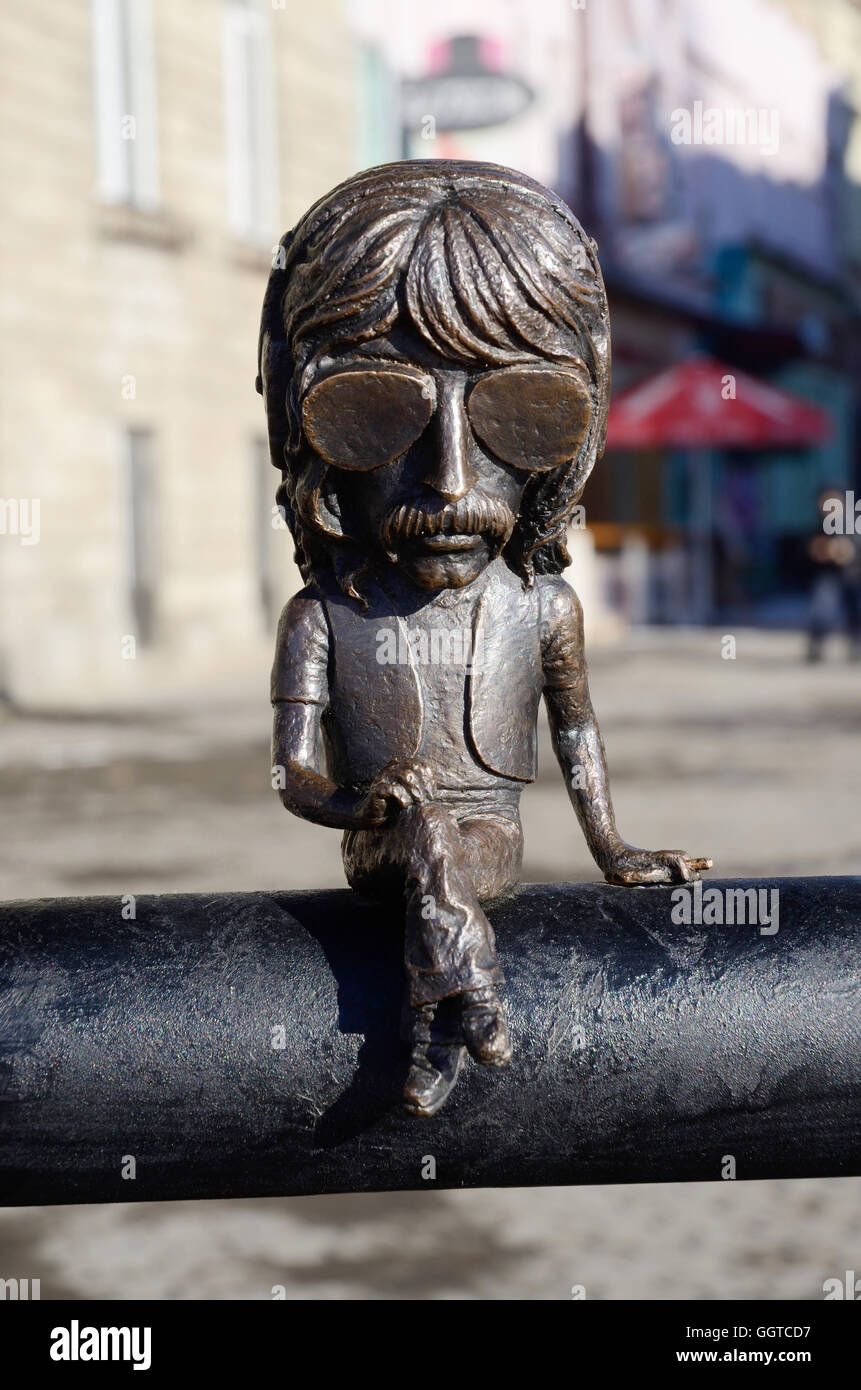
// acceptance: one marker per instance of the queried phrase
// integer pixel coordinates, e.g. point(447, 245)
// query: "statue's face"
point(430, 459)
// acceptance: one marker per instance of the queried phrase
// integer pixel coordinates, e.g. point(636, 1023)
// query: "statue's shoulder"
point(303, 615)
point(556, 595)
point(550, 601)
point(508, 591)
point(560, 608)
point(299, 671)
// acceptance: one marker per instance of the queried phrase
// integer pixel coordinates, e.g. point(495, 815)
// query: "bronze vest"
point(375, 709)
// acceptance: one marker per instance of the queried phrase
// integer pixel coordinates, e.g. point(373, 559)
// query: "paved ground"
point(754, 760)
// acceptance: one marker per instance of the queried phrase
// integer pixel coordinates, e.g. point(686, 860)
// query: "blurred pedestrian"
point(835, 594)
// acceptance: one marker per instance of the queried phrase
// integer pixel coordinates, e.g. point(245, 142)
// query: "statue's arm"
point(577, 740)
point(580, 752)
point(299, 697)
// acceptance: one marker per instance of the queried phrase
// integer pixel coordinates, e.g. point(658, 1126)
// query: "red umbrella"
point(703, 404)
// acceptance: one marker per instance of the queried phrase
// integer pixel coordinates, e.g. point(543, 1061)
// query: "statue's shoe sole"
point(425, 1100)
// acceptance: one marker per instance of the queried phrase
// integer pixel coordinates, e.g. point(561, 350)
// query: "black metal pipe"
point(248, 1044)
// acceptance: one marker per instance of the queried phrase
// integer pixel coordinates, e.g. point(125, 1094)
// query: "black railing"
point(229, 1045)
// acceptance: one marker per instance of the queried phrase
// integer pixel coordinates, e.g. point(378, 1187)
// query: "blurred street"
point(755, 761)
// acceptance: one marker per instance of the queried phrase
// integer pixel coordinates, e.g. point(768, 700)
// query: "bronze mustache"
point(476, 513)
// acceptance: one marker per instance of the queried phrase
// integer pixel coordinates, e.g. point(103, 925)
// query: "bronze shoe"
point(485, 1030)
point(434, 1070)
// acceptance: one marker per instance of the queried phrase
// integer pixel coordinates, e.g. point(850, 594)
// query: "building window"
point(250, 123)
point(141, 532)
point(124, 75)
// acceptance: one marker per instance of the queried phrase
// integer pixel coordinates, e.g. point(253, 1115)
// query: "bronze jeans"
point(444, 861)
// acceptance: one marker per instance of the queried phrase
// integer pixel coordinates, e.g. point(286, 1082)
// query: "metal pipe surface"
point(247, 1044)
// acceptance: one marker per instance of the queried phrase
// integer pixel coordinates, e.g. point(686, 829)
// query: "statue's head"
point(435, 362)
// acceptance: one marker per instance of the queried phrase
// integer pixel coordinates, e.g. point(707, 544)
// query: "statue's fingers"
point(417, 777)
point(677, 866)
point(667, 873)
point(426, 780)
point(413, 784)
point(393, 790)
point(629, 878)
point(698, 865)
point(404, 776)
point(378, 810)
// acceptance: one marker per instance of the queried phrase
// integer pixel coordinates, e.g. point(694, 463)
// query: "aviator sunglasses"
point(533, 418)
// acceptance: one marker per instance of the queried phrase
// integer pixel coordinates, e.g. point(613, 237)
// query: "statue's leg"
point(494, 851)
point(450, 946)
point(445, 865)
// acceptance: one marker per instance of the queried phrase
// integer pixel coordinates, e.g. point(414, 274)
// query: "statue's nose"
point(451, 473)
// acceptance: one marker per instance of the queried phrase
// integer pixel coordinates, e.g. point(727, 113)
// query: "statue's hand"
point(625, 864)
point(398, 786)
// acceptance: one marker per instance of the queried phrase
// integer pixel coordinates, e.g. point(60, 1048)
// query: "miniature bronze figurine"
point(435, 362)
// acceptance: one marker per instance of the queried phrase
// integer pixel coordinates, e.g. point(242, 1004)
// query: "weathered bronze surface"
point(435, 362)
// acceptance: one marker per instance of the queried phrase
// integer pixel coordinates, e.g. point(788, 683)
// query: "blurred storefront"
point(719, 186)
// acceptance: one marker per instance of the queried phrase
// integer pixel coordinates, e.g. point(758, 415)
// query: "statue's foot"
point(485, 1030)
point(433, 1072)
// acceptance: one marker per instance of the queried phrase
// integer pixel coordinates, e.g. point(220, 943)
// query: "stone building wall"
point(118, 318)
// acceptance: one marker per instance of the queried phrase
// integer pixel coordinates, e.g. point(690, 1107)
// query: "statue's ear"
point(274, 366)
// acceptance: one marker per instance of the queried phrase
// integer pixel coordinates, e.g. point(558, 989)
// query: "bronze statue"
point(435, 362)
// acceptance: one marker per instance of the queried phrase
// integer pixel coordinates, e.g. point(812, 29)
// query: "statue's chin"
point(432, 568)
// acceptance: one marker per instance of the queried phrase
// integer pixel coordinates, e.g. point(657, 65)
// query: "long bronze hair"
point(486, 264)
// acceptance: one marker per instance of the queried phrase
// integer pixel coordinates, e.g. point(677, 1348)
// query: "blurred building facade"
point(714, 150)
point(153, 154)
